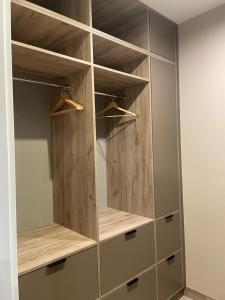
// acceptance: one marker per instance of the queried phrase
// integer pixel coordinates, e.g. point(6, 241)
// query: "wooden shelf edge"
point(118, 222)
point(124, 74)
point(51, 14)
point(50, 53)
point(120, 42)
point(45, 245)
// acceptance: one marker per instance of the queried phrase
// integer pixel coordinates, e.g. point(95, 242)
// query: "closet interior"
point(90, 211)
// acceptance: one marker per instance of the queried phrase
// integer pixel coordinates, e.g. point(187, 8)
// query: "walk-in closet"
point(99, 212)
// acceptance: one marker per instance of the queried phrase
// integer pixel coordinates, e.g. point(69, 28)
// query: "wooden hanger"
point(65, 99)
point(111, 105)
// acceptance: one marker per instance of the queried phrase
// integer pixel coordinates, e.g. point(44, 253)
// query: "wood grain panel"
point(109, 80)
point(125, 19)
point(56, 33)
point(74, 9)
point(43, 63)
point(129, 159)
point(110, 51)
point(47, 244)
point(113, 222)
point(73, 141)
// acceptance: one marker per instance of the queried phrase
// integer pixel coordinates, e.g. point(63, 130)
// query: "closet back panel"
point(165, 137)
point(101, 168)
point(129, 159)
point(74, 9)
point(33, 156)
point(73, 141)
point(127, 20)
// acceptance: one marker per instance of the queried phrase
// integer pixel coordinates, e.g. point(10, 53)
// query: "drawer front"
point(170, 276)
point(64, 281)
point(168, 235)
point(122, 257)
point(163, 36)
point(140, 288)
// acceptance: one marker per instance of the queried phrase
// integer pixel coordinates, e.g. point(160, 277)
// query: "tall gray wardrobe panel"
point(163, 36)
point(165, 137)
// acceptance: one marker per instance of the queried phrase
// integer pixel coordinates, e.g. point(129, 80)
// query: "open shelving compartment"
point(56, 206)
point(123, 156)
point(126, 20)
point(43, 28)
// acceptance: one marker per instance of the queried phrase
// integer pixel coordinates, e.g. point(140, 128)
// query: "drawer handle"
point(169, 218)
point(132, 282)
point(132, 232)
point(56, 263)
point(170, 258)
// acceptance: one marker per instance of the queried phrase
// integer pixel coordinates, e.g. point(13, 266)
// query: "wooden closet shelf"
point(110, 80)
point(30, 60)
point(48, 244)
point(109, 50)
point(114, 222)
point(36, 24)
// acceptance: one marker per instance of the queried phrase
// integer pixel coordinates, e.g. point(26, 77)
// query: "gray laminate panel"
point(124, 256)
point(74, 279)
point(165, 137)
point(143, 289)
point(163, 36)
point(168, 236)
point(170, 277)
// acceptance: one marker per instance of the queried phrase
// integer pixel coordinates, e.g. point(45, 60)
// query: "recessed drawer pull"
point(56, 263)
point(132, 282)
point(170, 258)
point(168, 218)
point(132, 232)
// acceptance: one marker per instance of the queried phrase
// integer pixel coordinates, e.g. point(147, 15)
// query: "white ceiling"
point(182, 10)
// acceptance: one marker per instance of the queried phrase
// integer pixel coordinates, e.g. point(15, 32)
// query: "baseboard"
point(194, 295)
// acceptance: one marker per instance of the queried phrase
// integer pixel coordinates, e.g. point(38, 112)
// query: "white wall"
point(202, 84)
point(8, 257)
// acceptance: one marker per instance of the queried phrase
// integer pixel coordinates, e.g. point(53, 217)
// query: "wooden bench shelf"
point(110, 80)
point(48, 244)
point(113, 222)
point(48, 65)
point(109, 50)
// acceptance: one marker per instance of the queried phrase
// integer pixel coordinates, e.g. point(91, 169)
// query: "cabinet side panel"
point(73, 147)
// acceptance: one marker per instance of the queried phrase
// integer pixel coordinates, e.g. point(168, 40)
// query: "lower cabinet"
point(124, 256)
point(168, 235)
point(73, 278)
point(170, 279)
point(142, 287)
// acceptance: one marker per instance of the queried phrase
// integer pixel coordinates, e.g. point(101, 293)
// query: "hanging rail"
point(64, 87)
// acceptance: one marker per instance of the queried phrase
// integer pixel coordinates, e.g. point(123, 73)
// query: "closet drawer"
point(67, 280)
point(170, 276)
point(168, 235)
point(142, 287)
point(125, 256)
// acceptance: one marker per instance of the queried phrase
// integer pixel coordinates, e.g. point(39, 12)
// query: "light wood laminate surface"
point(109, 50)
point(30, 60)
point(44, 16)
point(110, 80)
point(114, 222)
point(48, 244)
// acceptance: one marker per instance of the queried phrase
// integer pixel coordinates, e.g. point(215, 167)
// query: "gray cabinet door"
point(165, 137)
point(163, 36)
point(143, 287)
point(170, 278)
point(124, 256)
point(168, 236)
point(75, 278)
